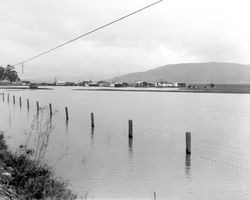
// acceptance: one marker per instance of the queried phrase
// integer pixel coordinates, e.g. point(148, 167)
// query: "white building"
point(61, 83)
point(165, 84)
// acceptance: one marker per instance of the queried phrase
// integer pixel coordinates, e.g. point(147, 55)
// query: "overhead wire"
point(88, 33)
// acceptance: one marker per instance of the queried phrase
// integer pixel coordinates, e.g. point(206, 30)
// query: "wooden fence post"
point(50, 110)
point(37, 107)
point(130, 128)
point(8, 97)
point(28, 104)
point(3, 96)
point(20, 101)
point(92, 120)
point(14, 99)
point(188, 143)
point(67, 114)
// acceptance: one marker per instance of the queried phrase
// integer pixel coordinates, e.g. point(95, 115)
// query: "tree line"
point(9, 73)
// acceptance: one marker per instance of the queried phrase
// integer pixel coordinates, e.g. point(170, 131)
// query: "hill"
point(212, 72)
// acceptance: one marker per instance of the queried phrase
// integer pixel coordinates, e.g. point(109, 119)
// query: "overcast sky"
point(174, 31)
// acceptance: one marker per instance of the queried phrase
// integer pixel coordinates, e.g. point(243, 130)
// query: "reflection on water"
point(50, 122)
point(66, 127)
point(130, 148)
point(28, 113)
point(130, 144)
point(188, 166)
point(188, 174)
point(92, 135)
point(36, 119)
point(10, 119)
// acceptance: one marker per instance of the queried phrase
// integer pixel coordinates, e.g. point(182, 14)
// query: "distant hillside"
point(213, 72)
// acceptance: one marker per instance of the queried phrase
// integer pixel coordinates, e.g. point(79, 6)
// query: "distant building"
point(68, 83)
point(93, 84)
point(142, 84)
point(48, 84)
point(104, 83)
point(118, 84)
point(84, 83)
point(25, 82)
point(181, 84)
point(165, 84)
point(124, 84)
point(65, 83)
point(61, 83)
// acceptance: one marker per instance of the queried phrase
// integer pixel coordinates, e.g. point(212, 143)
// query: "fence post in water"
point(188, 143)
point(14, 100)
point(8, 98)
point(20, 101)
point(37, 107)
point(50, 110)
point(130, 128)
point(28, 104)
point(67, 114)
point(3, 96)
point(92, 120)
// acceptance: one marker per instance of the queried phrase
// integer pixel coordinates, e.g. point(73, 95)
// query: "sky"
point(173, 31)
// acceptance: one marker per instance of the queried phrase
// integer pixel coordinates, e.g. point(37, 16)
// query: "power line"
point(88, 33)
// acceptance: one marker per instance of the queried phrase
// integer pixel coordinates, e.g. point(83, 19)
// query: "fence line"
point(140, 133)
point(151, 132)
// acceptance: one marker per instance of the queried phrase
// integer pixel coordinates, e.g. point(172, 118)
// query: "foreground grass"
point(22, 177)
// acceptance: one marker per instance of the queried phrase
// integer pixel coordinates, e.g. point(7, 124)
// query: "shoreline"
point(224, 89)
point(211, 90)
point(22, 176)
point(23, 88)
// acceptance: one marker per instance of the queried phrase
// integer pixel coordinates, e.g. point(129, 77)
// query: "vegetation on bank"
point(24, 176)
point(9, 74)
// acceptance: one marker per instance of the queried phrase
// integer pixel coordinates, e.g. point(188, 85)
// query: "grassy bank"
point(22, 177)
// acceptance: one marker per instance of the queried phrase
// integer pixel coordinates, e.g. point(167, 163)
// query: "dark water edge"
point(196, 88)
point(23, 88)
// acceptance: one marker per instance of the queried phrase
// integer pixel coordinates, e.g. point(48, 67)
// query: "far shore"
point(183, 90)
point(223, 88)
point(23, 88)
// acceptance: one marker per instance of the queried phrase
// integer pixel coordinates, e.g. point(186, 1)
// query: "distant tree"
point(11, 74)
point(2, 73)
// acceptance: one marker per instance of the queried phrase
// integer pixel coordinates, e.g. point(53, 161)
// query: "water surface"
point(104, 163)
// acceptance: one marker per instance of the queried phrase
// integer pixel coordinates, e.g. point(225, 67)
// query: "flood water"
point(104, 164)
